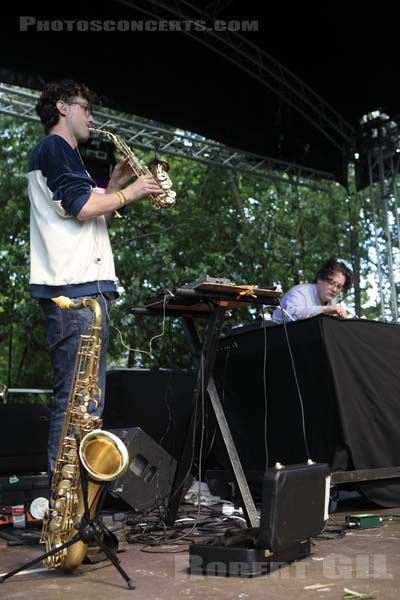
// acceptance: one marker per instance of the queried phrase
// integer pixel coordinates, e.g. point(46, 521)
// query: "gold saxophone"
point(157, 168)
point(103, 454)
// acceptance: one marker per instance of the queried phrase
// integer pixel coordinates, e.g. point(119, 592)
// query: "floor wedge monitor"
point(147, 482)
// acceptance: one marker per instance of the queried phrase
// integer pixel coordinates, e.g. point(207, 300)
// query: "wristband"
point(122, 199)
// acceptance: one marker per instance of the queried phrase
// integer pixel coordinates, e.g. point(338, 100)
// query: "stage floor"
point(365, 561)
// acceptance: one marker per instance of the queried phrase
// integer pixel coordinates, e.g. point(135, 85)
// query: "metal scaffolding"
point(380, 149)
point(20, 103)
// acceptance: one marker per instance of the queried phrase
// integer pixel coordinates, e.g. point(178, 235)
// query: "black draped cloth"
point(348, 380)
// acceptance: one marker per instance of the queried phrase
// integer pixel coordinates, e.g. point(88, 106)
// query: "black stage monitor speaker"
point(294, 504)
point(294, 509)
point(147, 482)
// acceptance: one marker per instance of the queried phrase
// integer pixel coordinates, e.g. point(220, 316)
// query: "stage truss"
point(20, 103)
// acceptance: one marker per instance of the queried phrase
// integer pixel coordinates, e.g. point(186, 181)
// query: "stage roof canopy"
point(287, 82)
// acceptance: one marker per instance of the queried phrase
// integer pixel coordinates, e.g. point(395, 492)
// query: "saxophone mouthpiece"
point(62, 301)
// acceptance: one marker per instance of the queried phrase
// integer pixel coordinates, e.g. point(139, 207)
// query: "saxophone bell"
point(104, 455)
point(156, 162)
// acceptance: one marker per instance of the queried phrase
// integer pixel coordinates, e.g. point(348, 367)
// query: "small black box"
point(238, 561)
point(294, 507)
point(24, 430)
point(23, 489)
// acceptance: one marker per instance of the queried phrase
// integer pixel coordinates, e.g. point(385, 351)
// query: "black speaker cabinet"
point(294, 505)
point(24, 430)
point(294, 509)
point(147, 482)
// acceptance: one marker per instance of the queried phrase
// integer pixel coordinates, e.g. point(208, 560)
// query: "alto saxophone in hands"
point(157, 168)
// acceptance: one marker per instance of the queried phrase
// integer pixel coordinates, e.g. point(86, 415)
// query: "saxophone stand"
point(89, 530)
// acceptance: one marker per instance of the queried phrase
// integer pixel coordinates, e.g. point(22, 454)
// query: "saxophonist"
point(70, 251)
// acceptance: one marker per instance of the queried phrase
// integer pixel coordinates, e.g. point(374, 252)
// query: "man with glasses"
point(320, 297)
point(70, 247)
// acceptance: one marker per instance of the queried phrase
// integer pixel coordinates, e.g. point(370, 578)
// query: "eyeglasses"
point(86, 107)
point(334, 284)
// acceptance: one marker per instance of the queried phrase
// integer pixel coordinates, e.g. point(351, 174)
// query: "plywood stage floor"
point(364, 561)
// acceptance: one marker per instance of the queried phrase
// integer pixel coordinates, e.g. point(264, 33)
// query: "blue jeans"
point(64, 328)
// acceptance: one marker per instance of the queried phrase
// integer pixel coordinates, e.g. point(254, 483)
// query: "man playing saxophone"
point(70, 248)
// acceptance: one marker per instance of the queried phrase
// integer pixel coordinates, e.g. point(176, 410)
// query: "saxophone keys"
point(55, 523)
point(71, 454)
point(68, 471)
point(60, 504)
point(63, 487)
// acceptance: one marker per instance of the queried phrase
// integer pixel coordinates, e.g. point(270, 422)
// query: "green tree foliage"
point(24, 360)
point(250, 231)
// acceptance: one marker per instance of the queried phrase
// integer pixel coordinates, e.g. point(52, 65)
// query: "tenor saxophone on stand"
point(157, 168)
point(103, 454)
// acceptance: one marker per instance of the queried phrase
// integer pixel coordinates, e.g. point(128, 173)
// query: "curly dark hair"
point(63, 89)
point(331, 266)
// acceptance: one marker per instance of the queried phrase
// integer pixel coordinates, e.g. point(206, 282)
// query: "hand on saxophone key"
point(105, 204)
point(142, 187)
point(121, 175)
point(162, 196)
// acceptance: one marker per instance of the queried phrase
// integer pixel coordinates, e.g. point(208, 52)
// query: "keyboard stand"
point(213, 304)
